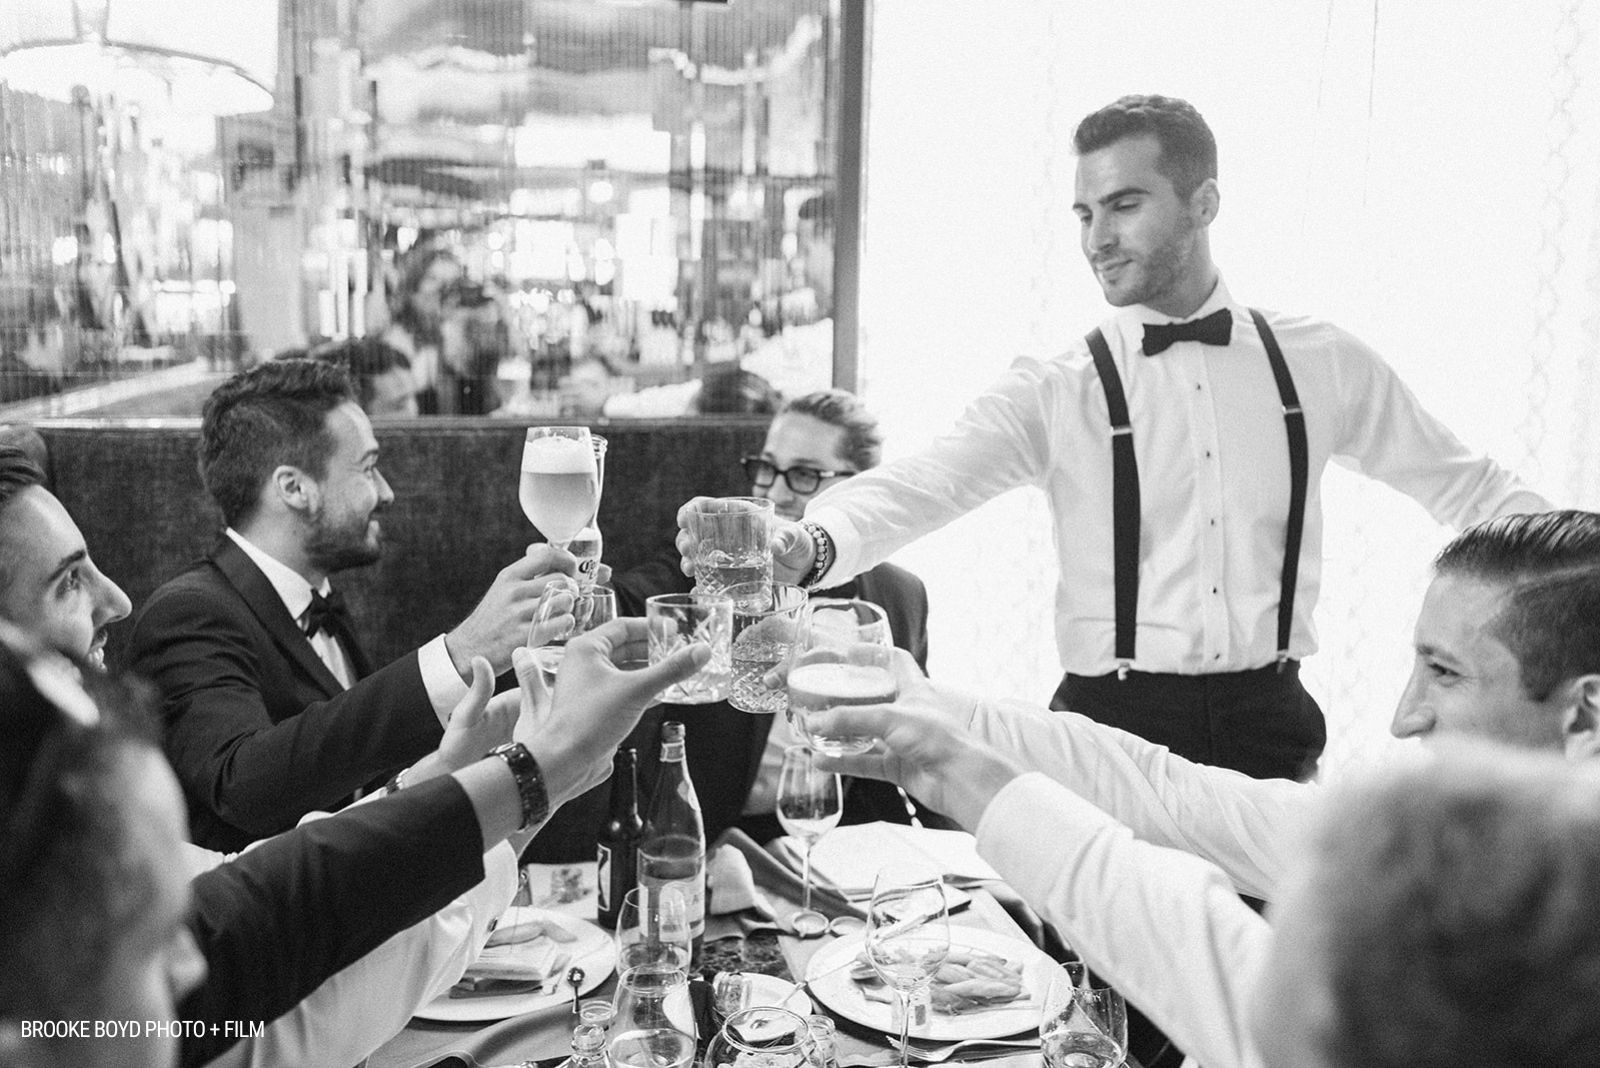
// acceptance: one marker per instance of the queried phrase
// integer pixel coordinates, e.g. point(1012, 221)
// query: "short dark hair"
point(863, 442)
point(273, 414)
point(71, 883)
point(731, 390)
point(1552, 627)
point(18, 471)
point(1456, 912)
point(1549, 564)
point(820, 211)
point(1188, 148)
point(366, 359)
point(1515, 548)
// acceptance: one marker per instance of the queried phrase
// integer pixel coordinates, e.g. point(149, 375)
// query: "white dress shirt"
point(1213, 464)
point(1250, 828)
point(439, 676)
point(366, 1004)
point(1164, 927)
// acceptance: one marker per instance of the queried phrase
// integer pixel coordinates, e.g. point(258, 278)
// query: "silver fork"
point(923, 1052)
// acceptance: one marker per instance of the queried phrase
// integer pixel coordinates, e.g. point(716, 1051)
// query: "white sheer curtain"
point(1425, 174)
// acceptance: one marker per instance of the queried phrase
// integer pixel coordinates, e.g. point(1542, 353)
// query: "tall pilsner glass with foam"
point(560, 487)
point(842, 655)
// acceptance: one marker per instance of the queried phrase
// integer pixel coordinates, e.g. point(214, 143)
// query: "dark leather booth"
point(135, 492)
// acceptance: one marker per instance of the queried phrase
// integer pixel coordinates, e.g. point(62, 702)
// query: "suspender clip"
point(1123, 667)
point(1118, 431)
point(1292, 409)
point(1283, 658)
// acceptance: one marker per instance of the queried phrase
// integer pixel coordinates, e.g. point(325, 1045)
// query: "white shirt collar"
point(292, 587)
point(1219, 298)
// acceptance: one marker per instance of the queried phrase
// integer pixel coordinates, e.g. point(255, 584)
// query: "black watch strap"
point(530, 782)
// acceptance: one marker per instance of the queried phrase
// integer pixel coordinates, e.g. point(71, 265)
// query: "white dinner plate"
point(593, 951)
point(829, 979)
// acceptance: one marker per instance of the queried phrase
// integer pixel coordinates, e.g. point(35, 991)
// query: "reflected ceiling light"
point(181, 55)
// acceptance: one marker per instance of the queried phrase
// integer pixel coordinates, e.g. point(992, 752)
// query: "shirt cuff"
point(846, 544)
point(440, 679)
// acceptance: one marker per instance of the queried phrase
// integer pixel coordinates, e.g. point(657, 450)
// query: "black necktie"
point(1214, 329)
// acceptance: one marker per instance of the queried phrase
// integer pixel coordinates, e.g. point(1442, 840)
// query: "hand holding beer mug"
point(560, 482)
point(843, 654)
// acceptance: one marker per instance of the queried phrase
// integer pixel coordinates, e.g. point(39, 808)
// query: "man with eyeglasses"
point(815, 441)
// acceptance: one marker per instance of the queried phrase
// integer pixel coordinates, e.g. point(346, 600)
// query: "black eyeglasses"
point(800, 478)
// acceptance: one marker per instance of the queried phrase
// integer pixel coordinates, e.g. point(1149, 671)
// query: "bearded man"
point(270, 709)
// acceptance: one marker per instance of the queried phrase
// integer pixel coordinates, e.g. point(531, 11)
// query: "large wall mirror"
point(576, 209)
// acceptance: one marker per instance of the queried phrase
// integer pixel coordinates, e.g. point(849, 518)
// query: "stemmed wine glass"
point(908, 933)
point(810, 802)
point(843, 654)
point(653, 928)
point(653, 1011)
point(1082, 1026)
point(560, 487)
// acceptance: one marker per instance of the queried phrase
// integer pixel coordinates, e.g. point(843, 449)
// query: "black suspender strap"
point(1125, 494)
point(1124, 502)
point(1294, 425)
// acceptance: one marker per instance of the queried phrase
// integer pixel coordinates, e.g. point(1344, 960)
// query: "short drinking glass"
point(678, 619)
point(733, 542)
point(764, 618)
point(842, 655)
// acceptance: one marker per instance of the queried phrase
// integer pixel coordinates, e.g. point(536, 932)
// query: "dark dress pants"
point(1259, 722)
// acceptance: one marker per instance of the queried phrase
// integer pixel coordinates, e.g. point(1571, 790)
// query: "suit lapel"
point(242, 573)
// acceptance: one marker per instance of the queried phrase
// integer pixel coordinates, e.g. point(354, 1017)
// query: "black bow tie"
point(1214, 329)
point(327, 615)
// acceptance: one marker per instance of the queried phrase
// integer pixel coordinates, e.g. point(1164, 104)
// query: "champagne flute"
point(560, 482)
point(653, 928)
point(1082, 1026)
point(810, 802)
point(843, 654)
point(908, 934)
point(653, 1006)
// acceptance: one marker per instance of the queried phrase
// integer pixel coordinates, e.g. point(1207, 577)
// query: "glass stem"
point(905, 1024)
point(806, 904)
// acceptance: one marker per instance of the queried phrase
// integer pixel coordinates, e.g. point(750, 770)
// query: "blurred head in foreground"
point(92, 907)
point(1445, 919)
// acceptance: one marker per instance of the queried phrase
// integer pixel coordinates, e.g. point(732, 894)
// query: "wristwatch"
point(396, 784)
point(823, 558)
point(530, 782)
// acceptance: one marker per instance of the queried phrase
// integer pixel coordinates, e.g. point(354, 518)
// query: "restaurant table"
point(741, 941)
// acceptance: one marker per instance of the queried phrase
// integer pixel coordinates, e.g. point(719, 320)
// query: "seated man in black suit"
point(98, 922)
point(734, 758)
point(269, 708)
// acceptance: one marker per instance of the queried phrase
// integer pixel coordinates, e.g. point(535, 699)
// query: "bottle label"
point(603, 878)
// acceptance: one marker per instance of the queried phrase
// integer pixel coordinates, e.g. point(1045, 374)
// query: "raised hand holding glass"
point(843, 654)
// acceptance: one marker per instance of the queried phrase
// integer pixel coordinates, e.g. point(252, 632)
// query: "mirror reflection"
point(577, 209)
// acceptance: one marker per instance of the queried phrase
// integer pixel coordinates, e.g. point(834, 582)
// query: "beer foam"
point(558, 456)
point(843, 681)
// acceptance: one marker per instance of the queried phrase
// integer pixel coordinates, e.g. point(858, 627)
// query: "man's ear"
point(1205, 202)
point(297, 491)
point(1580, 724)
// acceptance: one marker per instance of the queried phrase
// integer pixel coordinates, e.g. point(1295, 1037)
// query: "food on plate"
point(523, 923)
point(969, 980)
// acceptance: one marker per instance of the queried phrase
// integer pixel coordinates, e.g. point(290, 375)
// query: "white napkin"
point(733, 884)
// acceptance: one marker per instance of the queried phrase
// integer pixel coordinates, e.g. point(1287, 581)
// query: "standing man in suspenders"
point(1181, 446)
